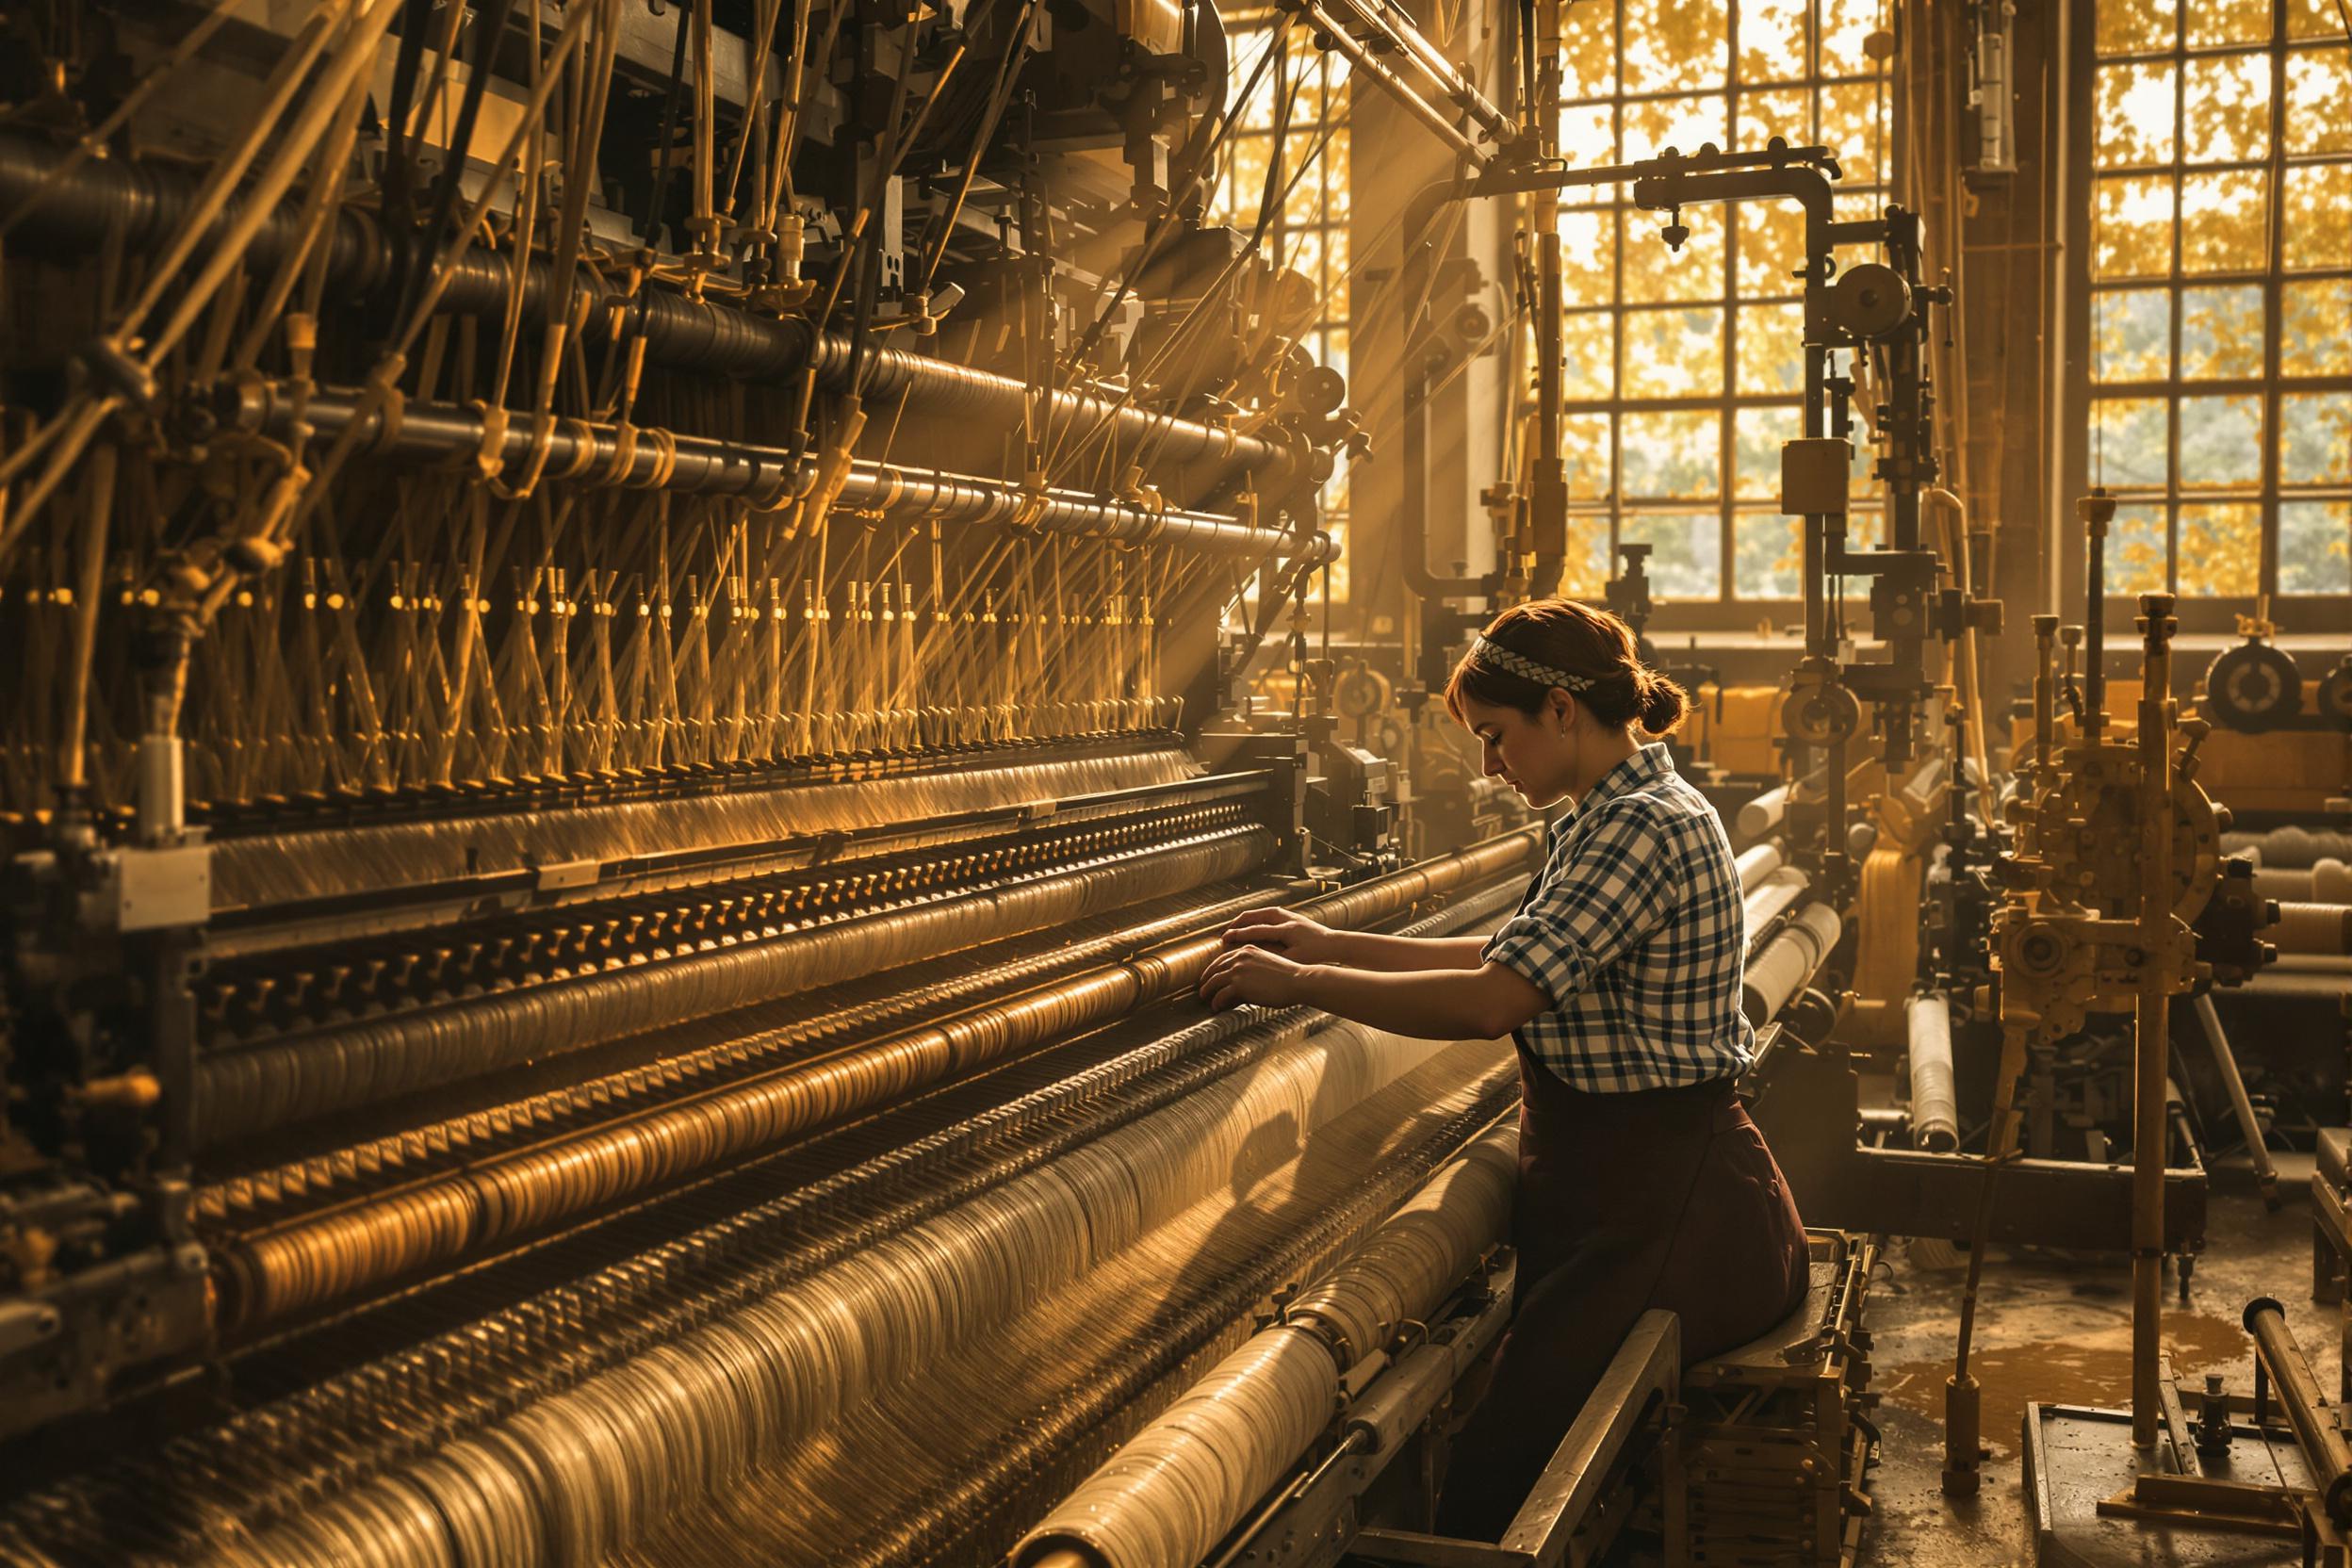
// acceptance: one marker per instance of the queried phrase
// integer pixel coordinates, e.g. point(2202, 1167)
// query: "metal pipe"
point(1384, 18)
point(2044, 693)
point(2324, 1450)
point(2226, 1063)
point(2097, 510)
point(1934, 1101)
point(692, 465)
point(2152, 1008)
point(147, 203)
point(1345, 44)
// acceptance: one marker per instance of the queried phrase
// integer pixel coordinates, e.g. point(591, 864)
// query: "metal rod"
point(2226, 1063)
point(579, 450)
point(1345, 43)
point(2152, 1010)
point(2277, 1353)
point(2097, 510)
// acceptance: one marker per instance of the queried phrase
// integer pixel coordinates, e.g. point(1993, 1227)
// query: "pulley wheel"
point(2335, 692)
point(2253, 688)
point(1819, 715)
point(1871, 301)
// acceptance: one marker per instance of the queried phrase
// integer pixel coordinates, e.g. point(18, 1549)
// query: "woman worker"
point(1642, 1182)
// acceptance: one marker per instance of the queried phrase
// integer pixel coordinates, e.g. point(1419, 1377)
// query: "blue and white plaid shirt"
point(1635, 933)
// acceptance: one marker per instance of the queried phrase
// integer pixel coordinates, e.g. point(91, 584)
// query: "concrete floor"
point(2057, 1327)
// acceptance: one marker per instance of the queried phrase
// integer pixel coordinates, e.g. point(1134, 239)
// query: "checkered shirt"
point(1635, 931)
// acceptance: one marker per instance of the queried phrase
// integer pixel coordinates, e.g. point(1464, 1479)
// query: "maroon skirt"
point(1667, 1198)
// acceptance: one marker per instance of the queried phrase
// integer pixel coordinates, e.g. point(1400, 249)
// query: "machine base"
point(2078, 1460)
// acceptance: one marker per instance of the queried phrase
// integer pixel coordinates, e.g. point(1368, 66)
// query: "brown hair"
point(1575, 640)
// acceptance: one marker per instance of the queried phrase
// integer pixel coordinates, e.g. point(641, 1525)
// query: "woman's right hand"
point(1288, 933)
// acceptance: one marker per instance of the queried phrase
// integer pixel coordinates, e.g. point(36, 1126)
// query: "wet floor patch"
point(2093, 1369)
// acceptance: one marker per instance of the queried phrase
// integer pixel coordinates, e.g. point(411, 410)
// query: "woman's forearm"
point(1374, 950)
point(1484, 1002)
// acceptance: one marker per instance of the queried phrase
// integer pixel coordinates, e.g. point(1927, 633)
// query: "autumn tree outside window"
point(2218, 384)
point(1685, 371)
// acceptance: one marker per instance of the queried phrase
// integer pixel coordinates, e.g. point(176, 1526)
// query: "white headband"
point(1495, 656)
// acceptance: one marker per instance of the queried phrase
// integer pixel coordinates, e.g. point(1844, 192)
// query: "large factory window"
point(2220, 277)
point(1299, 104)
point(1684, 370)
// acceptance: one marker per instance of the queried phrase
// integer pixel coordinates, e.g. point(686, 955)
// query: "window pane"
point(1685, 124)
point(1588, 135)
point(2132, 229)
point(1771, 348)
point(1846, 29)
point(1672, 455)
point(1767, 556)
point(1756, 436)
point(1588, 257)
point(1773, 44)
point(1675, 45)
point(2221, 549)
point(1787, 115)
point(1866, 529)
point(2315, 328)
point(1687, 552)
point(2224, 221)
point(2128, 443)
point(2135, 551)
point(2319, 101)
point(2315, 547)
point(2135, 114)
point(1674, 353)
point(2229, 22)
point(1850, 128)
point(2132, 334)
point(1772, 247)
point(2221, 443)
point(2226, 101)
point(1585, 572)
point(1655, 274)
point(2134, 26)
point(1584, 443)
point(2221, 332)
point(2317, 218)
point(2316, 438)
point(2305, 18)
point(1588, 53)
point(1589, 356)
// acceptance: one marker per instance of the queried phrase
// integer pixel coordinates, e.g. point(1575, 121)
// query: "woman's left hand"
point(1253, 975)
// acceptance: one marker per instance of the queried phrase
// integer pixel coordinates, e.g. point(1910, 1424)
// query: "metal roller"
point(2328, 880)
point(241, 1091)
point(2316, 930)
point(1788, 962)
point(2294, 848)
point(1934, 1101)
point(1756, 863)
point(1773, 896)
point(1171, 1493)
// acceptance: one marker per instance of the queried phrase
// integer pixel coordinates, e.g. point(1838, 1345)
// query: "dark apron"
point(1667, 1198)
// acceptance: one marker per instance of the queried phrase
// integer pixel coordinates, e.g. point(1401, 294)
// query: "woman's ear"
point(1563, 709)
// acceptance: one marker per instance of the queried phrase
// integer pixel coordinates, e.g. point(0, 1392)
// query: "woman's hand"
point(1241, 974)
point(1286, 932)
